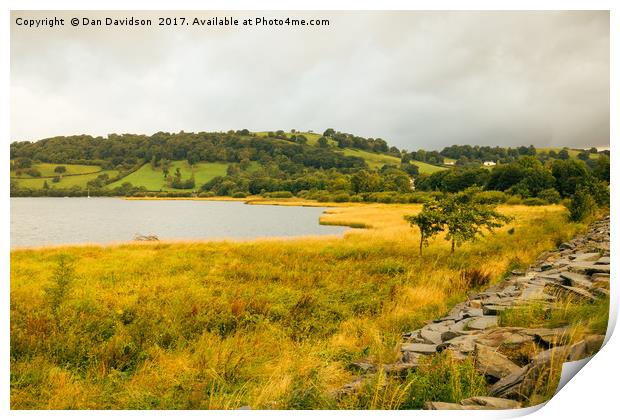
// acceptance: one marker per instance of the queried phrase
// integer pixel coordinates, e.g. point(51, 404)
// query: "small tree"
point(466, 220)
point(60, 169)
point(430, 222)
point(582, 205)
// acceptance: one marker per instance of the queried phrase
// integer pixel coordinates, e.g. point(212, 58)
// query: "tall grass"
point(269, 324)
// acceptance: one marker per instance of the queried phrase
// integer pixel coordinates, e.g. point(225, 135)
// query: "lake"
point(44, 221)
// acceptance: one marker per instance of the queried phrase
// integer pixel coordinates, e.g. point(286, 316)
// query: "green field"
point(427, 168)
point(153, 178)
point(571, 152)
point(47, 169)
point(377, 160)
point(75, 176)
point(313, 138)
point(65, 181)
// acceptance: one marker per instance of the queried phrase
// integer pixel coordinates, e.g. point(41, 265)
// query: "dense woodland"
point(280, 165)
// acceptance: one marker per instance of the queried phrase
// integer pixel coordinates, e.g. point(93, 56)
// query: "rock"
point(493, 364)
point(244, 407)
point(492, 403)
point(567, 245)
point(472, 312)
point(549, 337)
point(508, 387)
point(600, 277)
point(493, 309)
point(603, 261)
point(363, 367)
point(594, 343)
point(589, 268)
point(482, 323)
point(430, 336)
point(576, 280)
point(463, 344)
point(419, 348)
point(448, 335)
point(588, 256)
point(475, 304)
point(400, 369)
point(574, 292)
point(546, 266)
point(438, 405)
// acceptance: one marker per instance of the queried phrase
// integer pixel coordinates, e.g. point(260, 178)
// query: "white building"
point(489, 163)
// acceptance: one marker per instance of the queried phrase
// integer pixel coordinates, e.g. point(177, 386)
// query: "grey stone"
point(576, 280)
point(438, 405)
point(430, 336)
point(492, 403)
point(589, 268)
point(419, 348)
point(482, 323)
point(588, 256)
point(603, 261)
point(575, 292)
point(400, 369)
point(549, 337)
point(493, 309)
point(363, 367)
point(491, 363)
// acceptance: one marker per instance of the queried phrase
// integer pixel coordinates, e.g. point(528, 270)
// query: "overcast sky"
point(415, 79)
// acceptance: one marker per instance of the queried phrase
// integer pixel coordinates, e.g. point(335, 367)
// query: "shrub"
point(550, 195)
point(534, 201)
point(279, 194)
point(490, 197)
point(514, 199)
point(582, 206)
point(341, 197)
point(239, 194)
point(206, 194)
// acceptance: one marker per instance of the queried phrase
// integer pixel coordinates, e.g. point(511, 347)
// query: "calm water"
point(50, 221)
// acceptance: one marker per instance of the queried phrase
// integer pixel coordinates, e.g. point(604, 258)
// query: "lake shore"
point(274, 319)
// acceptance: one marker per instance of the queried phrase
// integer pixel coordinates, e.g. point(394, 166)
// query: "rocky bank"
point(512, 358)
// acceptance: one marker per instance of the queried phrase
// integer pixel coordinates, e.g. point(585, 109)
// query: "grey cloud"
point(416, 79)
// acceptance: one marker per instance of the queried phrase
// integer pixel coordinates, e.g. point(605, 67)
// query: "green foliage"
point(430, 221)
point(465, 220)
point(550, 195)
point(582, 206)
point(62, 279)
point(441, 378)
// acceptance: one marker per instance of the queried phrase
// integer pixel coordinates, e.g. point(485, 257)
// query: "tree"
point(582, 205)
point(329, 132)
point(322, 142)
point(465, 220)
point(60, 169)
point(430, 222)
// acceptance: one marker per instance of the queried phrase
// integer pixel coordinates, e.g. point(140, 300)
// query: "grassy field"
point(268, 323)
point(571, 152)
point(377, 160)
point(47, 169)
point(153, 178)
point(65, 181)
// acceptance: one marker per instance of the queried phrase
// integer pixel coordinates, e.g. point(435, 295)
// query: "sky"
point(416, 79)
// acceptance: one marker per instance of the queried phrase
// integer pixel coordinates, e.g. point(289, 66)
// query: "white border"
point(592, 395)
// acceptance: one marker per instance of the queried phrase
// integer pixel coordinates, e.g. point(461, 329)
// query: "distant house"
point(450, 163)
point(489, 163)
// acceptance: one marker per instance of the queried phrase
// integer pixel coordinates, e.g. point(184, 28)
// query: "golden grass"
point(266, 323)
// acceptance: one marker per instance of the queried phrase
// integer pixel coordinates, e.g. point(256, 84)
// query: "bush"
point(341, 197)
point(490, 197)
point(515, 199)
point(582, 206)
point(279, 194)
point(206, 194)
point(356, 199)
point(550, 195)
point(239, 194)
point(534, 201)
